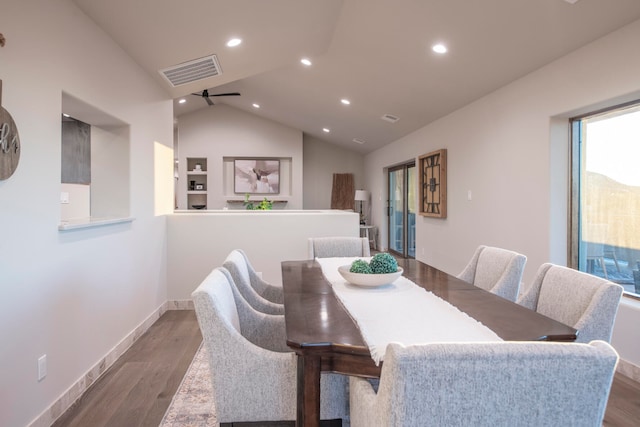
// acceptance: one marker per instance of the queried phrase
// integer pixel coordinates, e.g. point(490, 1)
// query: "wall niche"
point(95, 164)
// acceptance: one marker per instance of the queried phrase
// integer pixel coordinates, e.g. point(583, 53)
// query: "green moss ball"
point(383, 263)
point(360, 266)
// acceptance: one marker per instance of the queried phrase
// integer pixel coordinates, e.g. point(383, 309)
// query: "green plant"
point(264, 205)
point(360, 266)
point(383, 263)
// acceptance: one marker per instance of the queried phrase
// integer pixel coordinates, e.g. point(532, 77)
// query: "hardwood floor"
point(623, 408)
point(138, 388)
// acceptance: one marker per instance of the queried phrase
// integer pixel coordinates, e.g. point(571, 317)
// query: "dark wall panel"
point(76, 152)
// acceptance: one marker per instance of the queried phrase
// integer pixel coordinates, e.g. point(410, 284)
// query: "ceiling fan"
point(207, 97)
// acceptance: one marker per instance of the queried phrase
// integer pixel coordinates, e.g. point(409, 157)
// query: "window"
point(605, 207)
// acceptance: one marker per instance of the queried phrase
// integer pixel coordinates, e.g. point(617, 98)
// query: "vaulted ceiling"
point(375, 53)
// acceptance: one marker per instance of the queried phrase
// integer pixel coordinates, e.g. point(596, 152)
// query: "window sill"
point(631, 296)
point(80, 223)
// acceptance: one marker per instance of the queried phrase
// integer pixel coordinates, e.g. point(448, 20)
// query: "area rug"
point(192, 405)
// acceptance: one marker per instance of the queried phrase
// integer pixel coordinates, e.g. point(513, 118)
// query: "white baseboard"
point(69, 397)
point(628, 369)
point(186, 304)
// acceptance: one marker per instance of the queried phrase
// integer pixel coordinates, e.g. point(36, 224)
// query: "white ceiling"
point(377, 53)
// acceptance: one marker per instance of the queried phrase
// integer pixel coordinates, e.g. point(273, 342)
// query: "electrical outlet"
point(64, 198)
point(42, 367)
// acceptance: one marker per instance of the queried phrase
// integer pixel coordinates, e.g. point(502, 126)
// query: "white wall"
point(508, 150)
point(110, 171)
point(199, 242)
point(222, 131)
point(79, 198)
point(321, 161)
point(70, 295)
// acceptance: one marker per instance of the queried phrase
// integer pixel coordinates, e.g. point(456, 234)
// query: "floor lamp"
point(362, 196)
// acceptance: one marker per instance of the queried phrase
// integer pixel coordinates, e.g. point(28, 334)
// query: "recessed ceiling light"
point(306, 61)
point(345, 101)
point(182, 101)
point(234, 42)
point(439, 48)
point(326, 130)
point(256, 105)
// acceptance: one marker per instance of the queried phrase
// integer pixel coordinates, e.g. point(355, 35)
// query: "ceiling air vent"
point(358, 141)
point(192, 71)
point(390, 118)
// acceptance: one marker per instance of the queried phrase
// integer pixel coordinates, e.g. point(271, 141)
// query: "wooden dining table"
point(326, 339)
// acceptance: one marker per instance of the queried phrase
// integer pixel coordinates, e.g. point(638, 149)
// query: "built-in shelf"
point(256, 200)
point(197, 183)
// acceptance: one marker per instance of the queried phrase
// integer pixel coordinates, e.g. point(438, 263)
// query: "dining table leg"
point(308, 391)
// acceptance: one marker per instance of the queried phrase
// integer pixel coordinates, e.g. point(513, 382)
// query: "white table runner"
point(401, 312)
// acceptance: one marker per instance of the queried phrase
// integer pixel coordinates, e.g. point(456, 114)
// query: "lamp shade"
point(362, 195)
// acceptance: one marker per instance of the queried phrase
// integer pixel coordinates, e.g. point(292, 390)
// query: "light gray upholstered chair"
point(585, 302)
point(496, 270)
point(245, 272)
point(237, 267)
point(487, 384)
point(252, 372)
point(329, 247)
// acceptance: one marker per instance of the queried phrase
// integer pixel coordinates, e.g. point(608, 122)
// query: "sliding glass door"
point(401, 210)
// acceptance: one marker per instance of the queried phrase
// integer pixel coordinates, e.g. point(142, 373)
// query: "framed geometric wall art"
point(433, 184)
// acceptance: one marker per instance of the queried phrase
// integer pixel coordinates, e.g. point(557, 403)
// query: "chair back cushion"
point(236, 265)
point(528, 297)
point(502, 383)
point(328, 247)
point(266, 290)
point(586, 302)
point(241, 268)
point(214, 298)
point(496, 270)
point(492, 264)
